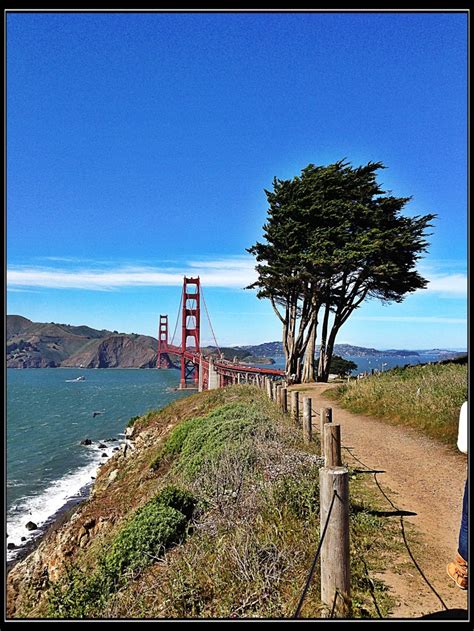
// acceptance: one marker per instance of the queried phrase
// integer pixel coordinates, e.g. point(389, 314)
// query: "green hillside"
point(214, 513)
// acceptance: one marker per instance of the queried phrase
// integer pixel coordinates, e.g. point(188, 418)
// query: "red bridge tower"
point(162, 339)
point(191, 322)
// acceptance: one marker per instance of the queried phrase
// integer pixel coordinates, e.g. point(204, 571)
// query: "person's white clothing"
point(462, 429)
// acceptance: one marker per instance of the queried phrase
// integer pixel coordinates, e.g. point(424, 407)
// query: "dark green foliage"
point(461, 360)
point(204, 439)
point(332, 239)
point(178, 499)
point(144, 538)
point(341, 366)
point(78, 594)
point(152, 529)
point(132, 420)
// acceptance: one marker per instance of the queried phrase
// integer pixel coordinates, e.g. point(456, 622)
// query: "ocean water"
point(377, 362)
point(47, 417)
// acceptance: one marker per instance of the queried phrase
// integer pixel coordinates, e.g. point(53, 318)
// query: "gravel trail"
point(422, 477)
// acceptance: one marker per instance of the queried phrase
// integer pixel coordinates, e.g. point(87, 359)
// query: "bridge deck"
point(222, 365)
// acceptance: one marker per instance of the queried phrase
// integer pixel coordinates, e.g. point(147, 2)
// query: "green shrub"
point(299, 494)
point(77, 595)
point(152, 529)
point(176, 498)
point(132, 420)
point(204, 439)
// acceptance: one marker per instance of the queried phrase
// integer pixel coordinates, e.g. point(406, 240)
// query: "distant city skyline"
point(139, 146)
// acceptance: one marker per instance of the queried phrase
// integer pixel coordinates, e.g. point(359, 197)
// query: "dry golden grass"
point(427, 398)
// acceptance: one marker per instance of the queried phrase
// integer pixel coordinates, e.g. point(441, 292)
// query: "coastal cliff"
point(50, 345)
point(210, 510)
point(116, 351)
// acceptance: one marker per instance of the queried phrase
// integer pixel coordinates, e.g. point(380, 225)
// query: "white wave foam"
point(13, 483)
point(41, 507)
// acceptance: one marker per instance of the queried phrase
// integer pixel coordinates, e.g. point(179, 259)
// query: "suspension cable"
point(209, 320)
point(177, 318)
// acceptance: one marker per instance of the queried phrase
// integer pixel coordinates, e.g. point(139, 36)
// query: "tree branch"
point(280, 317)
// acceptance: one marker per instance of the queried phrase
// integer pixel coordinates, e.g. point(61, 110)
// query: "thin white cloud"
point(23, 291)
point(452, 285)
point(228, 272)
point(225, 272)
point(236, 262)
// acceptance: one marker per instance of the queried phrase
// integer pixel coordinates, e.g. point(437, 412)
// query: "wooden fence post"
point(332, 445)
point(295, 406)
point(284, 399)
point(325, 415)
point(335, 561)
point(270, 389)
point(277, 395)
point(307, 421)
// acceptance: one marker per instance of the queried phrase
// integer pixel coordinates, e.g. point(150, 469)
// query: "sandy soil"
point(421, 477)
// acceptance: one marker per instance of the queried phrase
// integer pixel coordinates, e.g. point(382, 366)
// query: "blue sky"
point(139, 146)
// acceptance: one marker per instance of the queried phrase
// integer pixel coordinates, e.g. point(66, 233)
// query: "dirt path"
point(419, 476)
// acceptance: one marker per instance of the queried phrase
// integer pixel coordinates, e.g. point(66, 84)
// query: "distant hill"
point(17, 324)
point(50, 344)
point(360, 351)
point(267, 349)
point(275, 349)
point(241, 354)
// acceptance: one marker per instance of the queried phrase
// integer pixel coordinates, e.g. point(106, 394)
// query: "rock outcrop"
point(117, 351)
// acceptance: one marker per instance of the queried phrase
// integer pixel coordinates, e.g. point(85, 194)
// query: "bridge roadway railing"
point(223, 366)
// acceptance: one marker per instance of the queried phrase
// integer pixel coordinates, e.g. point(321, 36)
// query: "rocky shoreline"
point(89, 513)
point(53, 524)
point(66, 510)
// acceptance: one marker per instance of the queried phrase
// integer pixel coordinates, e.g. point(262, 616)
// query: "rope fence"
point(333, 546)
point(315, 560)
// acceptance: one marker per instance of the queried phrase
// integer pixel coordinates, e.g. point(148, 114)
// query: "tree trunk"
point(342, 314)
point(289, 338)
point(322, 364)
point(295, 339)
point(329, 352)
point(309, 363)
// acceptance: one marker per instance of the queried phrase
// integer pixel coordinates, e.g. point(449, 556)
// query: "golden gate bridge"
point(199, 371)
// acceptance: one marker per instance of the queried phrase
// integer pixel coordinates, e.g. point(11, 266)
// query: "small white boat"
point(81, 378)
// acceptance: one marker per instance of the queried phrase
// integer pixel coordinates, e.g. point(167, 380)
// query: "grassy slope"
point(246, 549)
point(427, 398)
